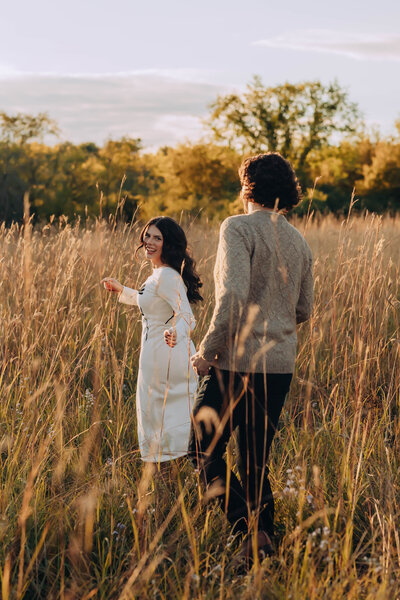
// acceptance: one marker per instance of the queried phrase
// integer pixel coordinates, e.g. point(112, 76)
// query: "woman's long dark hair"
point(175, 254)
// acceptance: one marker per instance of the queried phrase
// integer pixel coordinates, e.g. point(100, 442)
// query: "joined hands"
point(200, 365)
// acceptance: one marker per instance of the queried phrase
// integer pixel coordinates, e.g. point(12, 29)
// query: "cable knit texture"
point(263, 287)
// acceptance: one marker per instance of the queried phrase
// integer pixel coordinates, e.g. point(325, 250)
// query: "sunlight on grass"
point(79, 515)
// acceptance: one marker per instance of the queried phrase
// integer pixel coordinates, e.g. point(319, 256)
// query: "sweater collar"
point(252, 208)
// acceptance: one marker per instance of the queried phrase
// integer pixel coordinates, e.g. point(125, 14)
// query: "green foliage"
point(369, 168)
point(292, 119)
point(21, 160)
point(381, 183)
point(195, 178)
point(304, 122)
point(21, 128)
point(65, 179)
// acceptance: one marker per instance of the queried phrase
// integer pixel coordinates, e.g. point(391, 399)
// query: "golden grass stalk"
point(81, 517)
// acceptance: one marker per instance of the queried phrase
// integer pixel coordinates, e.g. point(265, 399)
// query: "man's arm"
point(306, 297)
point(232, 284)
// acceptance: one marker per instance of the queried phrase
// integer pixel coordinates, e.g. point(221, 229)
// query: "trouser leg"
point(265, 398)
point(214, 418)
point(254, 402)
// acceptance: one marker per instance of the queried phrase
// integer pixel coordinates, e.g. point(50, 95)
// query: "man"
point(263, 288)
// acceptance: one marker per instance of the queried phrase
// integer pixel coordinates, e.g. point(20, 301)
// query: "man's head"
point(269, 180)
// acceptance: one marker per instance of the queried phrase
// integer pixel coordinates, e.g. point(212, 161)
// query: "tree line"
point(315, 126)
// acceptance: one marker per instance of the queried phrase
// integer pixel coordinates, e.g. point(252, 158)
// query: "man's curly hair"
point(269, 179)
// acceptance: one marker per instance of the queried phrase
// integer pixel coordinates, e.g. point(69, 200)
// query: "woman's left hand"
point(170, 337)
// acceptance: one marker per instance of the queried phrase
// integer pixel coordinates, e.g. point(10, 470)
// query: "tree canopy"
point(293, 119)
point(21, 128)
point(317, 127)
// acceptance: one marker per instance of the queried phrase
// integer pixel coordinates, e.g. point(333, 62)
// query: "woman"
point(166, 380)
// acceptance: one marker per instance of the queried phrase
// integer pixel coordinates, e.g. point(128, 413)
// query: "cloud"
point(360, 46)
point(7, 72)
point(160, 107)
point(180, 127)
point(187, 75)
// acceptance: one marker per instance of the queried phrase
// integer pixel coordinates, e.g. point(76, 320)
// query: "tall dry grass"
point(81, 518)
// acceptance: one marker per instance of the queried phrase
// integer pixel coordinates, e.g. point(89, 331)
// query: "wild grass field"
point(79, 516)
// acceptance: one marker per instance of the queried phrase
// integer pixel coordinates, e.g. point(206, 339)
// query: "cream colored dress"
point(166, 381)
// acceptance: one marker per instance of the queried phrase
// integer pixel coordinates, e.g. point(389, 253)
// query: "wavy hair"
point(270, 180)
point(175, 254)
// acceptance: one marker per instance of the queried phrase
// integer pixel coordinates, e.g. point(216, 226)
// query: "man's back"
point(263, 286)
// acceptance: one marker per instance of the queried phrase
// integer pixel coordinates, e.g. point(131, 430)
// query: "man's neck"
point(253, 207)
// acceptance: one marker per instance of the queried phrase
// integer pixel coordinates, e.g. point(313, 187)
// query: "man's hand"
point(200, 364)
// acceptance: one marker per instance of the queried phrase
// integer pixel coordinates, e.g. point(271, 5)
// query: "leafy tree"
point(201, 178)
point(293, 119)
point(71, 176)
point(337, 171)
point(194, 177)
point(380, 187)
point(118, 178)
point(19, 159)
point(22, 128)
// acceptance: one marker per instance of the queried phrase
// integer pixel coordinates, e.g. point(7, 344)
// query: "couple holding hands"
point(263, 288)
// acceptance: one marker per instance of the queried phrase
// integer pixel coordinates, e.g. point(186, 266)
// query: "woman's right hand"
point(170, 337)
point(112, 285)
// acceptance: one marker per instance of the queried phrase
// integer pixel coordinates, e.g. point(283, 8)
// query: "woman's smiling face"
point(153, 243)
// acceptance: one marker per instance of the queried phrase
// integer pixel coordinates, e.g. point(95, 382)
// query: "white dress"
point(166, 381)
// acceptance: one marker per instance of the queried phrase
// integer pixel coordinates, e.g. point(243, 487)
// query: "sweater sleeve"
point(172, 289)
point(306, 296)
point(232, 285)
point(128, 296)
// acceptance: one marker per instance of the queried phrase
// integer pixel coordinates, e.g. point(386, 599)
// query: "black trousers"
point(253, 403)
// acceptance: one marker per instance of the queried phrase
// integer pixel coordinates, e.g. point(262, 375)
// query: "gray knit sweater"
point(263, 287)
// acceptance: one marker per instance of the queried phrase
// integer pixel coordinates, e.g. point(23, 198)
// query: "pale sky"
point(150, 70)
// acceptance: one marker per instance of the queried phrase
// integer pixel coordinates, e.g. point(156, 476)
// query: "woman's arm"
point(126, 295)
point(172, 289)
